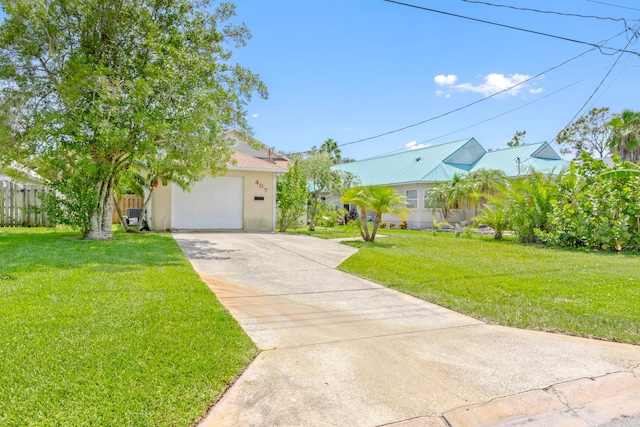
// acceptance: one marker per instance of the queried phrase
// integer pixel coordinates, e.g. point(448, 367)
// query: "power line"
point(601, 82)
point(613, 5)
point(597, 46)
point(470, 104)
point(546, 11)
point(485, 120)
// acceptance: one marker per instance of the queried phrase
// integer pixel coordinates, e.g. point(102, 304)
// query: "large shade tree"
point(589, 134)
point(91, 88)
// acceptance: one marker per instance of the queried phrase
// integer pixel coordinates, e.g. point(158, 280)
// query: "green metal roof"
point(439, 163)
point(538, 157)
point(424, 164)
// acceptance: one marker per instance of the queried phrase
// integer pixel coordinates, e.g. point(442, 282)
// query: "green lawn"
point(574, 292)
point(116, 333)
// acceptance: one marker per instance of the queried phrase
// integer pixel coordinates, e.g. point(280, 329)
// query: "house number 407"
point(262, 187)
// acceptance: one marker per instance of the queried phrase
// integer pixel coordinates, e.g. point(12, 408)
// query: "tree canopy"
point(625, 139)
point(92, 88)
point(590, 134)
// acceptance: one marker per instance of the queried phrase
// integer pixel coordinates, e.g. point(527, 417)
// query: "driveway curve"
point(338, 350)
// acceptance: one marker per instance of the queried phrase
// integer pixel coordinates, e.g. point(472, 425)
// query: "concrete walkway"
point(341, 351)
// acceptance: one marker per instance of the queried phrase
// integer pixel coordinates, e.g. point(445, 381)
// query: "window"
point(411, 197)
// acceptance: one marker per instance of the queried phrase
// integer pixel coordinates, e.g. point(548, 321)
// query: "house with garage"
point(413, 172)
point(243, 198)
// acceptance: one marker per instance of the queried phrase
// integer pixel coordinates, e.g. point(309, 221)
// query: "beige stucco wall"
point(258, 215)
point(422, 217)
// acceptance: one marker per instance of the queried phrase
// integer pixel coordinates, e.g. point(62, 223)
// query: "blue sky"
point(353, 69)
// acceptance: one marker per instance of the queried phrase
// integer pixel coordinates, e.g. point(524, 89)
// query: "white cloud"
point(441, 93)
point(442, 80)
point(496, 82)
point(413, 145)
point(534, 91)
point(255, 115)
point(346, 128)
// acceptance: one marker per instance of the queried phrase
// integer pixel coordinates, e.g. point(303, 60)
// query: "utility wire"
point(613, 5)
point(601, 82)
point(470, 104)
point(597, 46)
point(546, 11)
point(483, 121)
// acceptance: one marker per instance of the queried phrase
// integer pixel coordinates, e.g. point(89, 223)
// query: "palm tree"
point(331, 146)
point(380, 200)
point(386, 200)
point(360, 197)
point(626, 136)
point(484, 184)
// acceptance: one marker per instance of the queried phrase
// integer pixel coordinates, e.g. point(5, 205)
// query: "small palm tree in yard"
point(379, 200)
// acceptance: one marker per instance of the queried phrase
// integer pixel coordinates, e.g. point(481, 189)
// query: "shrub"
point(391, 225)
point(352, 215)
point(403, 225)
point(383, 225)
point(596, 212)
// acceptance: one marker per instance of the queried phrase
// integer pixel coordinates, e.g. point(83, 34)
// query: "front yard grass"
point(574, 292)
point(116, 333)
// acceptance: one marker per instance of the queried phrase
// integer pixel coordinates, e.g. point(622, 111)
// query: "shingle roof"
point(439, 163)
point(245, 161)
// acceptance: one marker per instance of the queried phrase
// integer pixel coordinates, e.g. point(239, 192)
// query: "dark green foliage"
point(597, 207)
point(292, 195)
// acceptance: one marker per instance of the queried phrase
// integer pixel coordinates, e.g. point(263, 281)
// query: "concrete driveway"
point(338, 350)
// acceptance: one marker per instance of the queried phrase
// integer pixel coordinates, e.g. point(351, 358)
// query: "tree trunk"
point(120, 216)
point(365, 225)
point(312, 215)
point(376, 224)
point(100, 228)
point(143, 210)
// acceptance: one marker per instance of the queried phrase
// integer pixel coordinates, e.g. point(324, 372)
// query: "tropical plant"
point(448, 196)
point(495, 214)
point(330, 146)
point(597, 207)
point(379, 200)
point(626, 135)
point(323, 181)
point(464, 191)
point(291, 197)
point(530, 200)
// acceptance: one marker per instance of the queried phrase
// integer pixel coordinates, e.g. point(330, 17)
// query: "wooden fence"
point(17, 203)
point(127, 201)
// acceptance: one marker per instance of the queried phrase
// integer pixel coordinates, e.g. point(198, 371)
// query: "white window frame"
point(409, 200)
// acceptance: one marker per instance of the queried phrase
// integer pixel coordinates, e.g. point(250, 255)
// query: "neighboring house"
point(243, 198)
point(20, 175)
point(413, 172)
point(20, 190)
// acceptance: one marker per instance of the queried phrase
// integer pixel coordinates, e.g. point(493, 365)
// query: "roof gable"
point(466, 155)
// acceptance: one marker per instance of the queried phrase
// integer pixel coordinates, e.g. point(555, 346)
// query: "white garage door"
point(214, 203)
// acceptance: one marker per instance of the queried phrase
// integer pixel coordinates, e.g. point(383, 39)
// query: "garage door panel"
point(214, 203)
